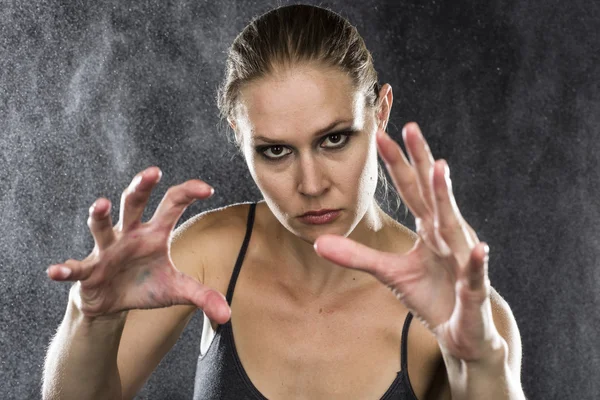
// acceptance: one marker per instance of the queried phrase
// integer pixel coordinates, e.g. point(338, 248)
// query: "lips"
point(318, 212)
point(326, 217)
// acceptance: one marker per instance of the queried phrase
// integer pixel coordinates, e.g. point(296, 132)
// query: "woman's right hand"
point(130, 266)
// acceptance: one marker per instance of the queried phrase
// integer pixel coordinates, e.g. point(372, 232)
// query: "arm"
point(82, 358)
point(150, 334)
point(497, 375)
point(112, 356)
point(443, 279)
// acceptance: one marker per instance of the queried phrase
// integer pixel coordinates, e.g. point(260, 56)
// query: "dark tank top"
point(220, 374)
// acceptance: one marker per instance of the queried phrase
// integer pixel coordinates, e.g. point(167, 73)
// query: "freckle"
point(320, 310)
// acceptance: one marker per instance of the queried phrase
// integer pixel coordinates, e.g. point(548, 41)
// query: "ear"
point(384, 105)
point(231, 123)
point(236, 135)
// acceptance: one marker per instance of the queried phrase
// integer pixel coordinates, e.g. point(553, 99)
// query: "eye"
point(338, 140)
point(276, 151)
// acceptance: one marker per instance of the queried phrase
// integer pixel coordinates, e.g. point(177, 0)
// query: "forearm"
point(81, 362)
point(489, 378)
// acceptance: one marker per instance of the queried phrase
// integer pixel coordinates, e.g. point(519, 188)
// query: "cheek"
point(369, 171)
point(269, 181)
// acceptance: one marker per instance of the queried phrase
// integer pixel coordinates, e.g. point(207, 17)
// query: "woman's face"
point(309, 141)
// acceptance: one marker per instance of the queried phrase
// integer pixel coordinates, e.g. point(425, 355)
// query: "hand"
point(443, 279)
point(130, 266)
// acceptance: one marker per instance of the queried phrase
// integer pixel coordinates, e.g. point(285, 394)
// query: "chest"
point(317, 350)
point(294, 345)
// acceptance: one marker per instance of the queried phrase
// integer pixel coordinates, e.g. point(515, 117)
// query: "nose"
point(312, 177)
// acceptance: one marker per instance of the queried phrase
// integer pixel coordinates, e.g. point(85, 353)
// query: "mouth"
point(319, 217)
point(318, 212)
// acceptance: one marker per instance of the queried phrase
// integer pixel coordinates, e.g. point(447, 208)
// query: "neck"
point(314, 276)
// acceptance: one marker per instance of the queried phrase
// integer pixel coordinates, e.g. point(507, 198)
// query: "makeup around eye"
point(345, 137)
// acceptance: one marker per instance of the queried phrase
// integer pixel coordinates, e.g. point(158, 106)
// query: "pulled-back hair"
point(293, 35)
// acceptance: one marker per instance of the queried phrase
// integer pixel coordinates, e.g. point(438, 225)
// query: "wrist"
point(493, 355)
point(78, 313)
point(487, 377)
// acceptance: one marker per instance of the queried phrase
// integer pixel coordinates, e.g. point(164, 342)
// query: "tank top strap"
point(404, 344)
point(241, 255)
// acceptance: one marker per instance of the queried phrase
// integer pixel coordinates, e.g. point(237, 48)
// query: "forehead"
point(302, 99)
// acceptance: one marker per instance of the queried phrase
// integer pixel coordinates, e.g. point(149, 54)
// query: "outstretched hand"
point(443, 279)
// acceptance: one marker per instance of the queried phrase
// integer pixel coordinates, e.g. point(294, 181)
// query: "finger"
point(348, 253)
point(135, 198)
point(100, 223)
point(176, 200)
point(449, 222)
point(70, 270)
point(472, 234)
point(212, 302)
point(402, 173)
point(473, 313)
point(476, 272)
point(422, 159)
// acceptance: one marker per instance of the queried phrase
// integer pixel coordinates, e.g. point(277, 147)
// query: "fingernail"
point(64, 272)
point(136, 181)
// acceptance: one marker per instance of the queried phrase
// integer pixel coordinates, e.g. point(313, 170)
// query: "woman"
point(302, 97)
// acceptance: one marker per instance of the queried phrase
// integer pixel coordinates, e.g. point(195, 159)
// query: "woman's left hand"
point(443, 279)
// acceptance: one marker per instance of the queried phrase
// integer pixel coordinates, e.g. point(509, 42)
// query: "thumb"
point(350, 254)
point(476, 271)
point(209, 300)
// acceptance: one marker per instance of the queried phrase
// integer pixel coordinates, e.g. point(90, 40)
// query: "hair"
point(293, 35)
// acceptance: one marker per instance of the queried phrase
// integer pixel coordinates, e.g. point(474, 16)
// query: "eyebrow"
point(317, 133)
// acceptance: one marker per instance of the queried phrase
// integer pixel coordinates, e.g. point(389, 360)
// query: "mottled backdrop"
point(91, 92)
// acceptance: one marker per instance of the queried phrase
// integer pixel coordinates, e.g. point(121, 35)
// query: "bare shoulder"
point(220, 218)
point(402, 238)
point(211, 242)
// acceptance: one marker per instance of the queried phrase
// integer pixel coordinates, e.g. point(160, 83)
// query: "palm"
point(130, 266)
point(443, 278)
point(146, 279)
point(426, 285)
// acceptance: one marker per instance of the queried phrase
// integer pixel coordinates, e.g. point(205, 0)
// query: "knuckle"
point(172, 191)
point(131, 197)
point(449, 227)
point(125, 193)
point(179, 195)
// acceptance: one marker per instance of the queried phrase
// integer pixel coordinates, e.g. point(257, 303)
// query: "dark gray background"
point(506, 91)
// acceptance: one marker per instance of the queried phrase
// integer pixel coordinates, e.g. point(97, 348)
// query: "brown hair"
point(292, 35)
